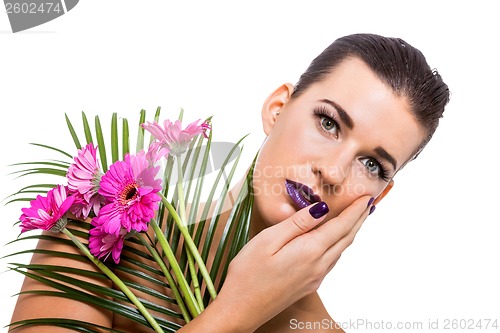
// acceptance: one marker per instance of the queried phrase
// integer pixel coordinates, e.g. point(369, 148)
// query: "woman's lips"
point(301, 195)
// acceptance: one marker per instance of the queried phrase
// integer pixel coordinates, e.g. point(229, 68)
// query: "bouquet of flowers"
point(136, 207)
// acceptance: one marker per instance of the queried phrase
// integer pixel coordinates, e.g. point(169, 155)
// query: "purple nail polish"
point(372, 209)
point(370, 202)
point(318, 210)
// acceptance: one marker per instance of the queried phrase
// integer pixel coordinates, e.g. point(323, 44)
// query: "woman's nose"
point(334, 169)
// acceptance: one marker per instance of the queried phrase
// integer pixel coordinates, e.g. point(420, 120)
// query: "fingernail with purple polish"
point(370, 202)
point(318, 210)
point(372, 209)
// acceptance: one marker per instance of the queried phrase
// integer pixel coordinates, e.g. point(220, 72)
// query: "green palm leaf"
point(140, 132)
point(125, 138)
point(86, 128)
point(137, 268)
point(114, 138)
point(100, 144)
point(52, 148)
point(73, 133)
point(67, 291)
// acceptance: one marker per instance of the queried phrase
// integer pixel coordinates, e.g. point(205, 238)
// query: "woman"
point(364, 108)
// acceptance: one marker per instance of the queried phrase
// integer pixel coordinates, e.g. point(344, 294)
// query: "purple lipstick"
point(301, 195)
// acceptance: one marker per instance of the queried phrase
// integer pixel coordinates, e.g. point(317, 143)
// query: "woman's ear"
point(386, 190)
point(273, 105)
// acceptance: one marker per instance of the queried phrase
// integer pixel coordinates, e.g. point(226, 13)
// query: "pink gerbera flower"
point(171, 138)
point(131, 188)
point(84, 176)
point(103, 244)
point(47, 213)
point(82, 209)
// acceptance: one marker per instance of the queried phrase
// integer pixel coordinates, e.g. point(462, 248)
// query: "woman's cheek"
point(342, 196)
point(340, 201)
point(361, 183)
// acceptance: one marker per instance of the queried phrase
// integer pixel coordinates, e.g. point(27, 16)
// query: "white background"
point(430, 251)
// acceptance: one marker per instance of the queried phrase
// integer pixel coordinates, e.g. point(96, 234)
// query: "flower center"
point(128, 194)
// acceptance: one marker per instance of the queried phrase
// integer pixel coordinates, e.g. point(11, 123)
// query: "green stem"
point(116, 280)
point(168, 276)
point(194, 278)
point(192, 247)
point(191, 302)
point(183, 217)
point(180, 192)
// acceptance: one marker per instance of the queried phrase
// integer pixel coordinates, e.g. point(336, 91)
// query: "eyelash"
point(321, 113)
point(383, 171)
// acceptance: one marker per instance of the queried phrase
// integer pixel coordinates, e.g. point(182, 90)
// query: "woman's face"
point(344, 137)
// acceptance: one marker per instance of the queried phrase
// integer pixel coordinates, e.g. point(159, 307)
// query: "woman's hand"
point(279, 266)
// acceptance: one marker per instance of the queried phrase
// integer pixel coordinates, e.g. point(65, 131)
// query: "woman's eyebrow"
point(385, 155)
point(346, 119)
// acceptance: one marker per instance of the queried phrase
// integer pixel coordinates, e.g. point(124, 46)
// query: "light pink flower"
point(131, 188)
point(103, 244)
point(47, 213)
point(82, 209)
point(84, 176)
point(171, 138)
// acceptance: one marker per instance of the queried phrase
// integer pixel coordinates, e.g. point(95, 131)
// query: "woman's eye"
point(372, 166)
point(329, 125)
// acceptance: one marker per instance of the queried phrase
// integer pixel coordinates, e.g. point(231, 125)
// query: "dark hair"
point(397, 63)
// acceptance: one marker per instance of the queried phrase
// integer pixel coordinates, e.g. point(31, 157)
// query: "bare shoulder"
point(39, 305)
